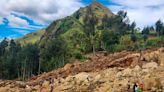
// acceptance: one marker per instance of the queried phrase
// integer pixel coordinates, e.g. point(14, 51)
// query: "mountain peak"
point(96, 6)
point(95, 2)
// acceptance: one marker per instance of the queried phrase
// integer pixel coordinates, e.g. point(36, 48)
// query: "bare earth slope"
point(101, 73)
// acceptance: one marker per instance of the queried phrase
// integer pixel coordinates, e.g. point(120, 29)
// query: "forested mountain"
point(84, 31)
point(76, 21)
point(90, 29)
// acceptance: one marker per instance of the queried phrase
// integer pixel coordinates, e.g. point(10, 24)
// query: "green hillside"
point(89, 29)
point(31, 37)
point(75, 21)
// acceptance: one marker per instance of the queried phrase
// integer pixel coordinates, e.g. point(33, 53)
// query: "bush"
point(118, 48)
point(115, 48)
point(78, 55)
point(152, 42)
point(161, 41)
point(126, 41)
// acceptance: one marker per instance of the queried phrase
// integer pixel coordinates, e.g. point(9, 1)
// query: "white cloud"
point(41, 11)
point(17, 22)
point(138, 3)
point(143, 12)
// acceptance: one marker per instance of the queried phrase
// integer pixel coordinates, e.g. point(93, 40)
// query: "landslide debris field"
point(100, 73)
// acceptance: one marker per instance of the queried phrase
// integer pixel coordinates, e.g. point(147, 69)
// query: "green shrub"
point(78, 55)
point(115, 48)
point(152, 42)
point(126, 41)
point(118, 48)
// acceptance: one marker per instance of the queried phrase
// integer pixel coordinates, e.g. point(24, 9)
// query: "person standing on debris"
point(128, 85)
point(135, 87)
point(51, 84)
point(40, 83)
point(141, 86)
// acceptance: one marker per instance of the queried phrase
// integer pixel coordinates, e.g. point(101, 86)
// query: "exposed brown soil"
point(95, 63)
point(118, 65)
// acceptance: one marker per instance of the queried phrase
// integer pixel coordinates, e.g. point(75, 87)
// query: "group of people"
point(136, 87)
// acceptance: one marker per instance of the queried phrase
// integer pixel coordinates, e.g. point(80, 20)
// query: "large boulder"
point(151, 57)
point(151, 82)
point(82, 77)
point(127, 72)
point(151, 65)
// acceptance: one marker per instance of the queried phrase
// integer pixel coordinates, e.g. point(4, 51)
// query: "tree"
point(126, 42)
point(9, 59)
point(3, 46)
point(132, 27)
point(134, 38)
point(122, 14)
point(28, 61)
point(3, 54)
point(109, 38)
point(54, 55)
point(162, 31)
point(90, 22)
point(145, 33)
point(158, 26)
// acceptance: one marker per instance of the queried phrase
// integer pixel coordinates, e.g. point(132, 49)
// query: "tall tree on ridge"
point(158, 26)
point(90, 22)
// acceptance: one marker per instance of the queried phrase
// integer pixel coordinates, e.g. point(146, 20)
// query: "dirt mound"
point(94, 64)
point(100, 73)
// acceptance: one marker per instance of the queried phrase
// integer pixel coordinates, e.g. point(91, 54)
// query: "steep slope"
point(31, 37)
point(60, 27)
point(75, 21)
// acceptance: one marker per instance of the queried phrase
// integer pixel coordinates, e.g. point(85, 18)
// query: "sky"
point(19, 17)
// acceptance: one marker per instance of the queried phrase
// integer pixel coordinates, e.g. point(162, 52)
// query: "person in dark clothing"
point(51, 84)
point(135, 87)
point(40, 83)
point(128, 85)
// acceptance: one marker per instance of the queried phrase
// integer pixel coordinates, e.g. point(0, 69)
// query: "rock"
point(153, 89)
point(144, 71)
point(28, 88)
point(81, 77)
point(152, 56)
point(97, 78)
point(127, 72)
point(151, 82)
point(46, 84)
point(135, 62)
point(137, 68)
point(119, 76)
point(67, 66)
point(69, 79)
point(151, 65)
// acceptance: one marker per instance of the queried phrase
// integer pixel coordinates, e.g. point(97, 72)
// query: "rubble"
point(101, 73)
